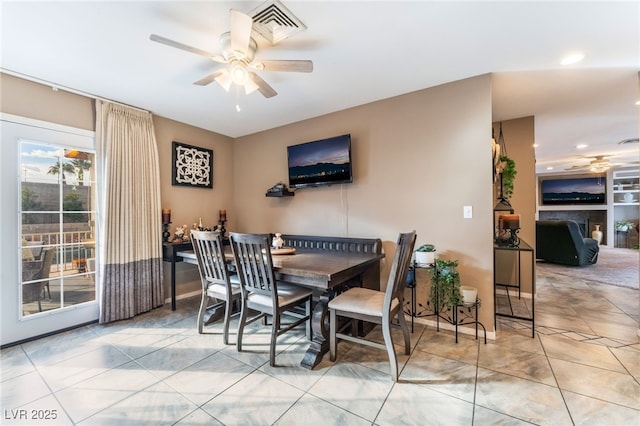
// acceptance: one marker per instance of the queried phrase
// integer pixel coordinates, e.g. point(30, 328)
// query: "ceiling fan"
point(599, 164)
point(238, 52)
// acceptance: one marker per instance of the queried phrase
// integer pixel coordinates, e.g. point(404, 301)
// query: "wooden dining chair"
point(262, 293)
point(379, 307)
point(217, 282)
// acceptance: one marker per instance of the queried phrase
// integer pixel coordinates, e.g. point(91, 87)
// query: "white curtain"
point(130, 218)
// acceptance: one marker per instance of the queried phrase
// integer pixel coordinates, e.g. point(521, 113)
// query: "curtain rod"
point(56, 87)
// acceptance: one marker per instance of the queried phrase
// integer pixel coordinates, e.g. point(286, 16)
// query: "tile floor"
point(582, 367)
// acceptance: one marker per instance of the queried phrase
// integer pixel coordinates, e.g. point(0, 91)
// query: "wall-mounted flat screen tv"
point(321, 162)
point(588, 190)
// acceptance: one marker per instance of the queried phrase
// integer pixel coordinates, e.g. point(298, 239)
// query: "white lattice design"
point(193, 166)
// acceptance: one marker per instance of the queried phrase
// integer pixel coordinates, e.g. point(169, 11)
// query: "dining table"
point(327, 273)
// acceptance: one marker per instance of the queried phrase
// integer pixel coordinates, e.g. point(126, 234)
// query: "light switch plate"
point(467, 212)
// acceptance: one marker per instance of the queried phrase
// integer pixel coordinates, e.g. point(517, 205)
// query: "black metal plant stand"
point(439, 311)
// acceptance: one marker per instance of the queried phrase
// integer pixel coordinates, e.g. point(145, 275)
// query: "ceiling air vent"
point(273, 21)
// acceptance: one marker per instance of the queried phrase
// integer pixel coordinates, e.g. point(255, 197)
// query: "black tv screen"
point(589, 190)
point(321, 162)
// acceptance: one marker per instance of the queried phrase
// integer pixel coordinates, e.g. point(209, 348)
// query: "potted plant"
point(445, 284)
point(508, 176)
point(623, 225)
point(425, 255)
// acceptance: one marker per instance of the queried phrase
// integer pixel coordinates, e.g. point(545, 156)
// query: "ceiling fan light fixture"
point(238, 74)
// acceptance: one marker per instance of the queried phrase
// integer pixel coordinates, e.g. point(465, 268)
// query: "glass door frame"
point(14, 327)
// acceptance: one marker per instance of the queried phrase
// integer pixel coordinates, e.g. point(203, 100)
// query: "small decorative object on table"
point(508, 228)
point(277, 241)
point(180, 234)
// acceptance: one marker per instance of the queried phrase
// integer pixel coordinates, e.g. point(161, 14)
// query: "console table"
point(518, 251)
point(170, 254)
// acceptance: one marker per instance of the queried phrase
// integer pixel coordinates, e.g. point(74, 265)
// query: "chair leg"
point(48, 291)
point(332, 334)
point(388, 341)
point(227, 318)
point(242, 320)
point(274, 338)
point(203, 308)
point(405, 332)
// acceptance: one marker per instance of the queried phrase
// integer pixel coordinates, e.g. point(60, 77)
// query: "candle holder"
point(222, 229)
point(165, 232)
point(502, 236)
point(514, 240)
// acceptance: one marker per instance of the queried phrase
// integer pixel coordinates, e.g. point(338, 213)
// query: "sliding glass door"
point(49, 194)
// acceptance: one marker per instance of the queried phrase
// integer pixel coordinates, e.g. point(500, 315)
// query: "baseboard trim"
point(444, 325)
point(512, 292)
point(184, 296)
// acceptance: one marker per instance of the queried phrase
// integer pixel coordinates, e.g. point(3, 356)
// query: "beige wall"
point(187, 204)
point(418, 159)
point(27, 99)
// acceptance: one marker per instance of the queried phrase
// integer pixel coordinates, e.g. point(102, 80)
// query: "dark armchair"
point(560, 241)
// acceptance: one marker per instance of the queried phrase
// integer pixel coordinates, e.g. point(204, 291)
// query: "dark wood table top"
point(312, 268)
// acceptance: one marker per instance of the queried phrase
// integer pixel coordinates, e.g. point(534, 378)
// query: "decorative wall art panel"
point(192, 166)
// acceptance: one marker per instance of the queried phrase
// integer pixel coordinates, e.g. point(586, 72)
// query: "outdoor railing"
point(74, 251)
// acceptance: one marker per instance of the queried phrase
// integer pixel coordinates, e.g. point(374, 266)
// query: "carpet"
point(615, 266)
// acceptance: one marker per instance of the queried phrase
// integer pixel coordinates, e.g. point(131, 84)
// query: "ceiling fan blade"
point(240, 29)
point(285, 65)
point(583, 167)
point(178, 45)
point(209, 79)
point(264, 88)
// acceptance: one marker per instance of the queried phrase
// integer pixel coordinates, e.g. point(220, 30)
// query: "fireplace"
point(586, 219)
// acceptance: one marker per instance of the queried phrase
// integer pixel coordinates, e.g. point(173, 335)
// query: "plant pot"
point(469, 294)
point(425, 257)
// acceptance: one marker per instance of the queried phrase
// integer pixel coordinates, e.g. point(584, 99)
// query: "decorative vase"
point(596, 234)
point(469, 294)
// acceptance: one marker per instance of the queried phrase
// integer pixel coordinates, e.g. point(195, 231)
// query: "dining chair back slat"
point(262, 293)
point(217, 282)
point(254, 264)
point(383, 308)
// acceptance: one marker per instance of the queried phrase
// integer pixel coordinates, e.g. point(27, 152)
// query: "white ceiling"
point(362, 51)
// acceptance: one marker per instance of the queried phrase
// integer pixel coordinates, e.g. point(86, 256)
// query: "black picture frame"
point(191, 166)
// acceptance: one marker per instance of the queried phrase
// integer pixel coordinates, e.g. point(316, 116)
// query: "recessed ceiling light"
point(535, 145)
point(638, 103)
point(549, 168)
point(572, 58)
point(581, 146)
